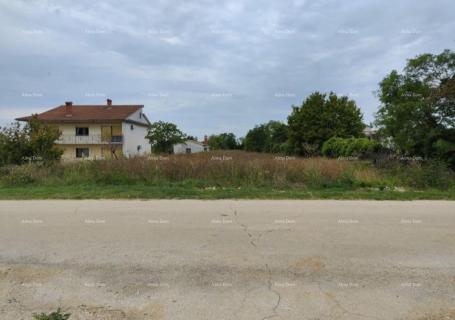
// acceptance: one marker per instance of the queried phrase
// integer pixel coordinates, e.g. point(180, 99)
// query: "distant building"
point(370, 132)
point(191, 146)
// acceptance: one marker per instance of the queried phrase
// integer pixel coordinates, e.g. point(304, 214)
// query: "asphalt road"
point(228, 259)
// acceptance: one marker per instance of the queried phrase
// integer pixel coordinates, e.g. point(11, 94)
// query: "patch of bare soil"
point(442, 315)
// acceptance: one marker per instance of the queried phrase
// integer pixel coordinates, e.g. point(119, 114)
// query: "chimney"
point(206, 140)
point(69, 108)
point(109, 102)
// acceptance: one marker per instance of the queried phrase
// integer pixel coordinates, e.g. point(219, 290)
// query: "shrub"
point(19, 175)
point(334, 147)
point(433, 174)
point(56, 315)
point(350, 147)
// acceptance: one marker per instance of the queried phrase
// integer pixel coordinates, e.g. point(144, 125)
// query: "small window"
point(132, 127)
point(81, 131)
point(140, 115)
point(205, 149)
point(82, 153)
point(139, 147)
point(188, 150)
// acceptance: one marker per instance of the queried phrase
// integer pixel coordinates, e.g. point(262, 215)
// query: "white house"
point(370, 132)
point(98, 131)
point(191, 146)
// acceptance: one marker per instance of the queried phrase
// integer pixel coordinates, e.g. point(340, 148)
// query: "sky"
point(210, 66)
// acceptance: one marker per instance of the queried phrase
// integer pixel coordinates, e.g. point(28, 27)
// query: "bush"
point(433, 174)
point(56, 315)
point(19, 175)
point(351, 147)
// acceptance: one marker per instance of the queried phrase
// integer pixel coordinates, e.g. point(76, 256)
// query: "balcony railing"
point(90, 139)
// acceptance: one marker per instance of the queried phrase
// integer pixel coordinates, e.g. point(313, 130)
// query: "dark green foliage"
point(351, 147)
point(14, 144)
point(223, 141)
point(34, 141)
point(419, 174)
point(417, 109)
point(56, 315)
point(270, 137)
point(42, 141)
point(321, 117)
point(163, 136)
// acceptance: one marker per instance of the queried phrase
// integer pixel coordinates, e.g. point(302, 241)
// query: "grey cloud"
point(209, 66)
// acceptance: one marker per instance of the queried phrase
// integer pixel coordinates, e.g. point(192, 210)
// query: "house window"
point(82, 153)
point(81, 131)
point(205, 149)
point(140, 115)
point(132, 127)
point(188, 150)
point(139, 147)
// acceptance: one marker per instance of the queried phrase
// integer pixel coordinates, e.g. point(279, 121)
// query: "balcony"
point(90, 139)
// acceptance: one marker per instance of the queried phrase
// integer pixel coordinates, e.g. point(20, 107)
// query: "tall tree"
point(268, 137)
point(417, 109)
point(223, 141)
point(163, 135)
point(321, 117)
point(42, 140)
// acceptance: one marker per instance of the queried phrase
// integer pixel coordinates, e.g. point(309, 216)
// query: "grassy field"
point(222, 175)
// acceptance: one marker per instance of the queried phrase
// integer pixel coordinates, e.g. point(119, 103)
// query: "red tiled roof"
point(97, 113)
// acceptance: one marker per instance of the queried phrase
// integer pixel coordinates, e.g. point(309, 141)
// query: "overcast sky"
point(209, 66)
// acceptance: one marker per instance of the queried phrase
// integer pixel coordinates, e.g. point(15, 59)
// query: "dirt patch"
point(439, 315)
point(314, 264)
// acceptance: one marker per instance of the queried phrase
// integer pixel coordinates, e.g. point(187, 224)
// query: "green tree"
point(223, 141)
point(321, 117)
point(35, 140)
point(42, 141)
point(268, 137)
point(14, 144)
point(417, 109)
point(163, 135)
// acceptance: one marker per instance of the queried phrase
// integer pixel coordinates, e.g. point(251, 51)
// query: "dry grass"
point(228, 169)
point(225, 168)
point(214, 168)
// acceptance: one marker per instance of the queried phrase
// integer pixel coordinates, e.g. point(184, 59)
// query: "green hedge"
point(349, 147)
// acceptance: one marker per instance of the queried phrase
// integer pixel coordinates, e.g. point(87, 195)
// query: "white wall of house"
point(134, 136)
point(193, 147)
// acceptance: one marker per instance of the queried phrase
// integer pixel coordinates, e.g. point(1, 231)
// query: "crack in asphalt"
point(343, 309)
point(270, 287)
point(253, 241)
point(245, 228)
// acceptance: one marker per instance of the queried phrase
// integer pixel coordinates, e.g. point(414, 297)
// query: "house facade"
point(98, 131)
point(191, 146)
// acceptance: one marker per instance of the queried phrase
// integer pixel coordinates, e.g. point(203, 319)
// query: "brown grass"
point(224, 168)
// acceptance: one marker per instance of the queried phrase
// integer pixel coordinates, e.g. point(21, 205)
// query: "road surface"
point(189, 259)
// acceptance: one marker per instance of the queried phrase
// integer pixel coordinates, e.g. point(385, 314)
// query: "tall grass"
point(233, 168)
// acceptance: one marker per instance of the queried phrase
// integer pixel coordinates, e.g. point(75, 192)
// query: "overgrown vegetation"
point(351, 147)
point(56, 315)
point(237, 171)
point(417, 109)
point(34, 141)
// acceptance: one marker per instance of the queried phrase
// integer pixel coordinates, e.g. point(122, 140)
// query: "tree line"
point(416, 118)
